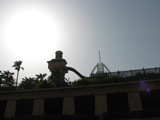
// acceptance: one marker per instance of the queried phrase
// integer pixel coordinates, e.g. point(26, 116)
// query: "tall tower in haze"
point(101, 68)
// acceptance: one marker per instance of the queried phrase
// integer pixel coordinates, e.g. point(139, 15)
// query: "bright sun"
point(30, 34)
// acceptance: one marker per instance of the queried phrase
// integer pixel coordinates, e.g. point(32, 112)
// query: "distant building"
point(102, 69)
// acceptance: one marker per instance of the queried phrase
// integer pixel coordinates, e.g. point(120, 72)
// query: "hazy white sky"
point(127, 32)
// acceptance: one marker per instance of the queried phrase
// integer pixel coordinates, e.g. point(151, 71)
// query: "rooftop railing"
point(128, 73)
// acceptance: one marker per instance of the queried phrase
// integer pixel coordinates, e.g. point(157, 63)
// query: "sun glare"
point(30, 34)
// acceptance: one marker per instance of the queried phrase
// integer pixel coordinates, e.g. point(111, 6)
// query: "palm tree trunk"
point(17, 78)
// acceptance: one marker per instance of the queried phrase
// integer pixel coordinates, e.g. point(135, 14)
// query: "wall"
point(97, 100)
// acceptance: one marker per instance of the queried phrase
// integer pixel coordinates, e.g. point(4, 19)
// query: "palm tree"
point(40, 77)
point(7, 77)
point(17, 66)
point(27, 83)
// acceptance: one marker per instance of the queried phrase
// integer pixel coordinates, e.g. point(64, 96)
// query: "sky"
point(126, 32)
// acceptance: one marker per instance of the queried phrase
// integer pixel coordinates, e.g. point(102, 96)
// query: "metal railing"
point(128, 73)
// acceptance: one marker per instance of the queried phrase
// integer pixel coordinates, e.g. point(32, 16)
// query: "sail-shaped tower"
point(100, 70)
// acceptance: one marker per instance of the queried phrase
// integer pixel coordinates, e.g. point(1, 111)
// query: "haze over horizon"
point(127, 32)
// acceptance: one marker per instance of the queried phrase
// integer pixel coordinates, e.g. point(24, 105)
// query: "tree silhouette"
point(1, 76)
point(27, 83)
point(7, 77)
point(40, 77)
point(17, 66)
point(45, 84)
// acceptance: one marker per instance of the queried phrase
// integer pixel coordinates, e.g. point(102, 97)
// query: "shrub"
point(45, 84)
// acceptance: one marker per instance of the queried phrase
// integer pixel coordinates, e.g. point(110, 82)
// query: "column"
point(134, 101)
point(68, 106)
point(38, 107)
point(10, 109)
point(100, 104)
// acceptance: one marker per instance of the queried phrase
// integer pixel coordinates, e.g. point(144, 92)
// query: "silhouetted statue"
point(58, 69)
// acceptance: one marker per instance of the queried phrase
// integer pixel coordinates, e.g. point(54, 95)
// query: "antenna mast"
point(99, 56)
